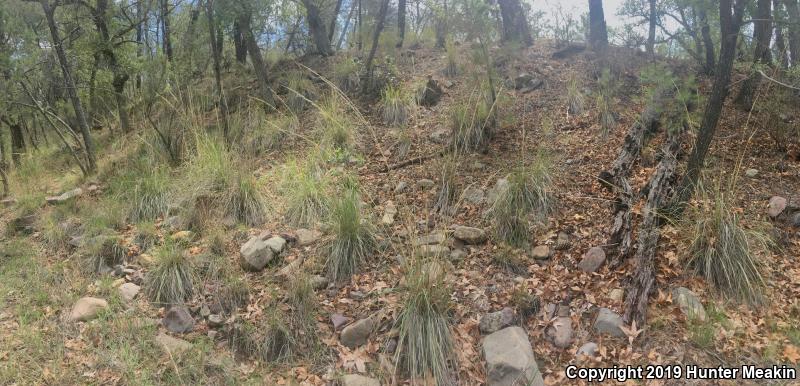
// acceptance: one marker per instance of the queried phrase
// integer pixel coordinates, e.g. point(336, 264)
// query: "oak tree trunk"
point(317, 28)
point(708, 43)
point(598, 33)
point(166, 29)
point(401, 22)
point(255, 56)
point(375, 37)
point(515, 25)
point(761, 55)
point(794, 31)
point(651, 31)
point(215, 54)
point(238, 43)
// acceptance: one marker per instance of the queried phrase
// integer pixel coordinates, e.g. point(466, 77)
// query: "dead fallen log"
point(569, 50)
point(413, 161)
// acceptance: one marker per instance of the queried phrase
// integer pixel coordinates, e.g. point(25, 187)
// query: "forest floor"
point(39, 283)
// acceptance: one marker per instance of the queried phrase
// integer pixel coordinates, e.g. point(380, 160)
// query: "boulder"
point(499, 188)
point(431, 239)
point(776, 206)
point(171, 345)
point(86, 308)
point(689, 304)
point(509, 359)
point(473, 195)
point(359, 380)
point(255, 254)
point(588, 349)
point(357, 333)
point(609, 322)
point(339, 320)
point(215, 320)
point(64, 197)
point(430, 95)
point(276, 244)
point(178, 320)
point(592, 259)
point(307, 236)
point(128, 291)
point(432, 251)
point(752, 173)
point(496, 321)
point(560, 332)
point(319, 282)
point(541, 252)
point(470, 235)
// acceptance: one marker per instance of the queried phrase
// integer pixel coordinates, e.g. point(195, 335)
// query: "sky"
point(578, 7)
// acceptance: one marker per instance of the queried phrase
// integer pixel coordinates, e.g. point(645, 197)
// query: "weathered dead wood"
point(412, 161)
point(569, 50)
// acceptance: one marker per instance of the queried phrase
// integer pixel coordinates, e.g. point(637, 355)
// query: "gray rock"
point(689, 303)
point(291, 269)
point(178, 320)
point(439, 135)
point(777, 205)
point(432, 251)
point(522, 80)
point(276, 243)
point(562, 241)
point(509, 359)
point(172, 223)
point(86, 308)
point(473, 195)
point(357, 333)
point(431, 94)
point(592, 259)
point(560, 332)
point(8, 202)
point(307, 236)
point(431, 239)
point(609, 322)
point(425, 183)
point(496, 321)
point(541, 252)
point(339, 320)
point(319, 282)
point(215, 320)
point(128, 291)
point(389, 211)
point(171, 345)
point(457, 255)
point(752, 173)
point(401, 187)
point(588, 349)
point(795, 220)
point(255, 254)
point(64, 197)
point(359, 380)
point(470, 235)
point(499, 188)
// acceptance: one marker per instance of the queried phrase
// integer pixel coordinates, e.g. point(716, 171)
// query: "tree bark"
point(708, 43)
point(780, 39)
point(238, 43)
point(3, 166)
point(441, 26)
point(215, 54)
point(375, 36)
point(17, 141)
point(255, 56)
point(794, 31)
point(598, 33)
point(762, 33)
point(730, 23)
point(317, 28)
point(515, 24)
point(401, 22)
point(651, 31)
point(332, 28)
point(346, 26)
point(166, 29)
point(88, 143)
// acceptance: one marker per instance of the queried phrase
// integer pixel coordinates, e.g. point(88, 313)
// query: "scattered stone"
point(388, 213)
point(205, 311)
point(432, 251)
point(439, 135)
point(533, 85)
point(562, 241)
point(172, 346)
point(128, 291)
point(276, 243)
point(795, 220)
point(339, 320)
point(401, 187)
point(560, 331)
point(777, 205)
point(457, 255)
point(430, 95)
point(609, 322)
point(25, 224)
point(178, 320)
point(509, 359)
point(182, 235)
point(473, 195)
point(307, 236)
point(215, 320)
point(357, 333)
point(172, 223)
point(541, 252)
point(430, 239)
point(255, 254)
point(470, 235)
point(689, 303)
point(86, 308)
point(319, 282)
point(496, 321)
point(617, 295)
point(522, 80)
point(499, 188)
point(64, 197)
point(592, 259)
point(7, 202)
point(292, 268)
point(359, 380)
point(752, 173)
point(426, 183)
point(588, 349)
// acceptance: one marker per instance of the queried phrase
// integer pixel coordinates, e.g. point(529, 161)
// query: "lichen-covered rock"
point(496, 321)
point(509, 359)
point(357, 333)
point(609, 322)
point(64, 197)
point(689, 303)
point(255, 254)
point(470, 235)
point(359, 380)
point(592, 259)
point(777, 205)
point(178, 320)
point(86, 308)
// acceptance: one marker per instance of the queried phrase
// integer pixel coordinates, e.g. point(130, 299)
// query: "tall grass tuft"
point(575, 98)
point(447, 193)
point(605, 99)
point(724, 252)
point(451, 67)
point(334, 124)
point(244, 201)
point(425, 343)
point(300, 91)
point(471, 123)
point(396, 106)
point(149, 197)
point(353, 238)
point(171, 281)
point(346, 75)
point(306, 190)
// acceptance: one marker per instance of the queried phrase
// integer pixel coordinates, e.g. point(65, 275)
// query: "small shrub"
point(396, 106)
point(512, 260)
point(353, 238)
point(300, 91)
point(345, 75)
point(425, 343)
point(101, 253)
point(171, 281)
point(574, 97)
point(724, 252)
point(244, 202)
point(146, 235)
point(148, 197)
point(278, 343)
point(306, 190)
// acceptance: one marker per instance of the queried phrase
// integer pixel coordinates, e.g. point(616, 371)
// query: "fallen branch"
point(412, 161)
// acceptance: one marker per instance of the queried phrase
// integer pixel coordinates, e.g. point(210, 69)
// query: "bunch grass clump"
point(575, 98)
point(396, 106)
point(149, 197)
point(471, 123)
point(528, 192)
point(334, 124)
point(102, 252)
point(306, 189)
point(604, 101)
point(353, 238)
point(425, 343)
point(346, 75)
point(724, 252)
point(300, 91)
point(451, 68)
point(244, 201)
point(278, 343)
point(447, 194)
point(171, 281)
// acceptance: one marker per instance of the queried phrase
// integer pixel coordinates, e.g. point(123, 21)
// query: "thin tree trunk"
point(761, 54)
point(780, 39)
point(346, 26)
point(215, 54)
point(119, 95)
point(317, 28)
point(92, 113)
point(730, 23)
point(794, 31)
point(375, 37)
point(708, 43)
point(401, 22)
point(515, 25)
point(360, 42)
point(651, 31)
point(88, 143)
point(598, 33)
point(3, 165)
point(17, 141)
point(238, 43)
point(166, 29)
point(441, 26)
point(255, 56)
point(140, 14)
point(335, 17)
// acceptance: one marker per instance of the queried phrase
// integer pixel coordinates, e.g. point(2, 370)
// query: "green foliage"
point(471, 123)
point(396, 106)
point(606, 90)
point(300, 91)
point(334, 124)
point(575, 98)
point(171, 280)
point(353, 238)
point(306, 190)
point(346, 75)
point(149, 197)
point(451, 69)
point(723, 251)
point(244, 201)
